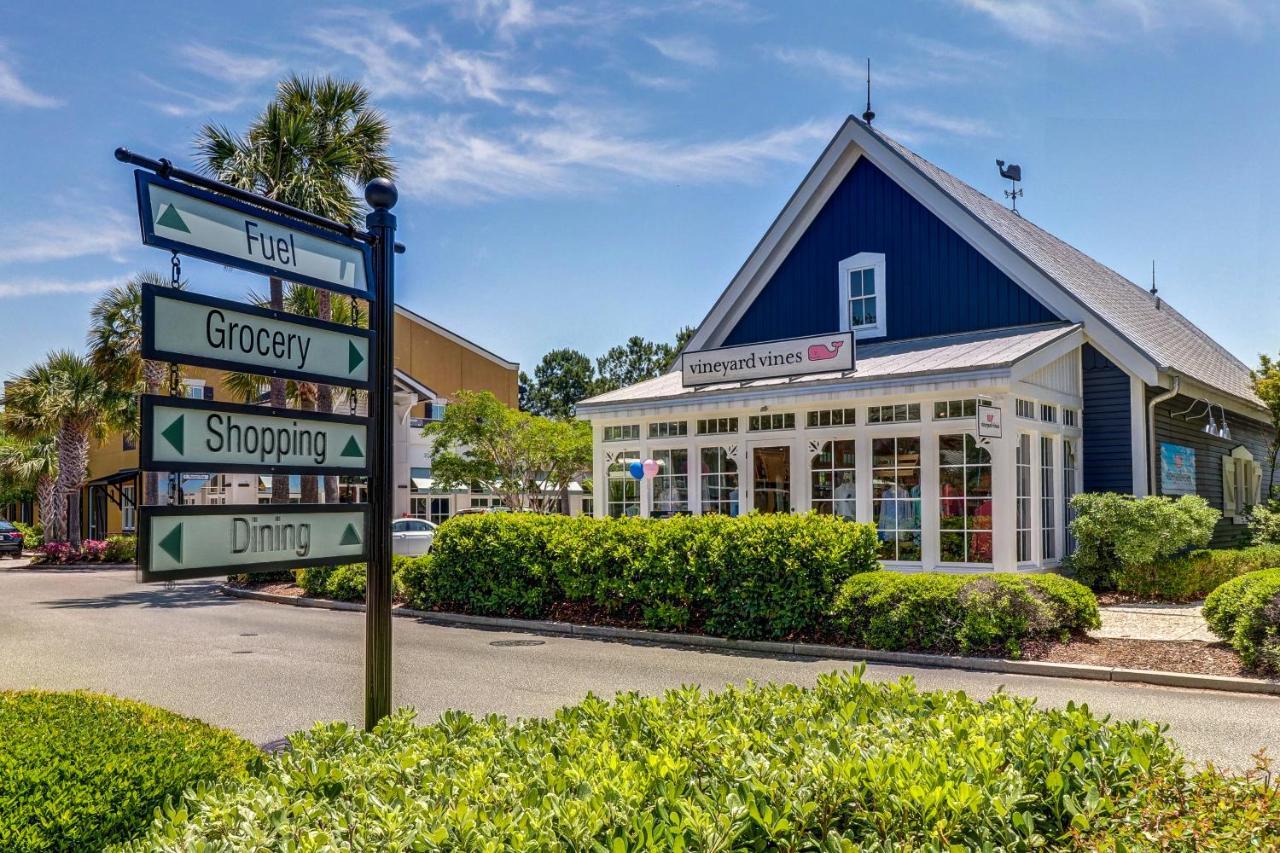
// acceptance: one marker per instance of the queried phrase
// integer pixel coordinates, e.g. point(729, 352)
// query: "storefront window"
point(895, 493)
point(624, 490)
point(418, 507)
point(671, 483)
point(1023, 472)
point(1048, 519)
point(719, 475)
point(964, 500)
point(833, 480)
point(1068, 488)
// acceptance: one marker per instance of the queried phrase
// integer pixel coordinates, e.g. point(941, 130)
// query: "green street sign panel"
point(183, 434)
point(190, 328)
point(181, 218)
point(177, 542)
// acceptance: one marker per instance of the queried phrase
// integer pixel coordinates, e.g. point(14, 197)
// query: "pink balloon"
point(650, 467)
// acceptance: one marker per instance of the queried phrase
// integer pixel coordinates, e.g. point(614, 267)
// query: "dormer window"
point(862, 308)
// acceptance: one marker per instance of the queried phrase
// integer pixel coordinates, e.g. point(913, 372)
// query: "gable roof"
point(1109, 305)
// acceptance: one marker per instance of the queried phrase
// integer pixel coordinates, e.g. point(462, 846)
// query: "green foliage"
point(347, 582)
point(560, 381)
point(1245, 611)
point(1266, 384)
point(759, 576)
point(32, 534)
point(120, 549)
point(1193, 576)
point(80, 771)
point(1264, 523)
point(1120, 537)
point(960, 614)
point(847, 765)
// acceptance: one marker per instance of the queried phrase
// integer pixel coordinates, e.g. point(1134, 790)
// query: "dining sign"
point(832, 353)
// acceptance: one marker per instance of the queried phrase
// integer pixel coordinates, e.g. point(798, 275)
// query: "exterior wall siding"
point(1108, 449)
point(936, 283)
point(1254, 435)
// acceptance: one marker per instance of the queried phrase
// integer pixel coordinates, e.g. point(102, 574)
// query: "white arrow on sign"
point(183, 219)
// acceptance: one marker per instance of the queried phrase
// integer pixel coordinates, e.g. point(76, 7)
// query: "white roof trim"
point(457, 339)
point(415, 386)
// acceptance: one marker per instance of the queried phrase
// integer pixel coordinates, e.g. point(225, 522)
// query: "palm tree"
point(32, 464)
point(66, 396)
point(115, 348)
point(314, 141)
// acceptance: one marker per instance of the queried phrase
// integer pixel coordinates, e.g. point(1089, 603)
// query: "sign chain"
point(175, 278)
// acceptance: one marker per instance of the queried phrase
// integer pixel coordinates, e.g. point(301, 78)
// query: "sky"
point(572, 173)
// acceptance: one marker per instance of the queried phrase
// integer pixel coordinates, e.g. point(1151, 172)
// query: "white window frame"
point(128, 508)
point(863, 261)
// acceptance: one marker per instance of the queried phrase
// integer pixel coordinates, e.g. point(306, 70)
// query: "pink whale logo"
point(822, 352)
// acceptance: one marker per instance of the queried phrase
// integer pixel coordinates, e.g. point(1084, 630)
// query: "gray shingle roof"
point(1167, 337)
point(969, 351)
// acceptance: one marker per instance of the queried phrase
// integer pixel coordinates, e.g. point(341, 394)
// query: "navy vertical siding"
point(936, 283)
point(1108, 443)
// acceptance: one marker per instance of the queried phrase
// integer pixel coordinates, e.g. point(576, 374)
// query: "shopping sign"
point(177, 542)
point(989, 422)
point(217, 228)
point(831, 353)
point(182, 434)
point(194, 329)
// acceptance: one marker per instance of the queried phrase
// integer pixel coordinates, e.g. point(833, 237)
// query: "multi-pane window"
point(944, 410)
point(863, 310)
point(832, 470)
point(832, 417)
point(668, 429)
point(1069, 465)
point(1048, 527)
point(625, 432)
point(128, 507)
point(624, 490)
point(899, 413)
point(1048, 413)
point(719, 476)
point(671, 483)
point(1070, 417)
point(418, 507)
point(717, 426)
point(440, 510)
point(895, 496)
point(1024, 409)
point(964, 500)
point(1022, 468)
point(762, 423)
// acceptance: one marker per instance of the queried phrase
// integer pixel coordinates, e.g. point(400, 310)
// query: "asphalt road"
point(265, 670)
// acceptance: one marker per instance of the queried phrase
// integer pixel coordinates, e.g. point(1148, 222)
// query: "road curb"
point(808, 650)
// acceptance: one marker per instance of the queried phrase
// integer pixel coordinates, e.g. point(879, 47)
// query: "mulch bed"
point(1189, 656)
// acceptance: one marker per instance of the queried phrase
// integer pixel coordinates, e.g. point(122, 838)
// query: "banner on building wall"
point(769, 360)
point(1177, 469)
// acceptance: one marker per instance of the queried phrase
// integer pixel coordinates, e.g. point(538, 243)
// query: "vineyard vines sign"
point(769, 360)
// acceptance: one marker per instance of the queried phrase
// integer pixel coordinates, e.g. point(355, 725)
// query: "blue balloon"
point(637, 470)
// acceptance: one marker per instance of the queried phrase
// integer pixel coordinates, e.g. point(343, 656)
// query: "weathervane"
point(1014, 174)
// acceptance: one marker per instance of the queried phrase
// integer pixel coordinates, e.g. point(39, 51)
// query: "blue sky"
point(573, 173)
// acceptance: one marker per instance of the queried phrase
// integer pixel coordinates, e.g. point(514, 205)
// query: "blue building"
point(900, 348)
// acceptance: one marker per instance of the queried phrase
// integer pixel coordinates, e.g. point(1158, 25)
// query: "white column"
point(599, 472)
point(929, 550)
point(1138, 434)
point(695, 470)
point(801, 481)
point(1004, 492)
point(1037, 543)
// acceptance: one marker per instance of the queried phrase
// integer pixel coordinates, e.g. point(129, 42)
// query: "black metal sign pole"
point(381, 222)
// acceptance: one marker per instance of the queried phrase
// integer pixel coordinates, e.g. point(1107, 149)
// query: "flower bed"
point(115, 549)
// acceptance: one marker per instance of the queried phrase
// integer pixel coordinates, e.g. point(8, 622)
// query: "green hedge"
point(1245, 611)
point(961, 614)
point(848, 765)
point(347, 582)
point(80, 771)
point(758, 576)
point(1195, 575)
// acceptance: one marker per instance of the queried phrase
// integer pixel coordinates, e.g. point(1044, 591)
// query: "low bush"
point(1123, 539)
point(1264, 523)
point(1193, 576)
point(32, 535)
point(121, 549)
point(116, 549)
point(347, 582)
point(80, 771)
point(758, 576)
point(960, 614)
point(847, 765)
point(1245, 612)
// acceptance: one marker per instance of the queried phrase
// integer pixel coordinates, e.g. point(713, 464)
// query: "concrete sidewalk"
point(1153, 622)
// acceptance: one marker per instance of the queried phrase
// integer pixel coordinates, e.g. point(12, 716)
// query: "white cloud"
point(20, 288)
point(17, 93)
point(1080, 22)
point(235, 68)
point(101, 231)
point(690, 50)
point(914, 125)
point(919, 63)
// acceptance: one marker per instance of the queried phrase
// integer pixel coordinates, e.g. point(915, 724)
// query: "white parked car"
point(411, 537)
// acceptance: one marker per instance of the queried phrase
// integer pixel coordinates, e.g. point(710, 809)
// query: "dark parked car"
point(10, 540)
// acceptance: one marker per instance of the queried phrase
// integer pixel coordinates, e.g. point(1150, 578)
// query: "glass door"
point(771, 478)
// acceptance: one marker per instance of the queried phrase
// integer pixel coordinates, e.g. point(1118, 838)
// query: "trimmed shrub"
point(80, 771)
point(960, 614)
point(758, 576)
point(1195, 575)
point(1245, 612)
point(32, 535)
point(847, 765)
point(121, 549)
point(116, 549)
point(346, 582)
point(1264, 523)
point(1123, 539)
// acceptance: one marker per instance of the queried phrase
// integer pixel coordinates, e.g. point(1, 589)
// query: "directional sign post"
point(208, 332)
point(199, 541)
point(183, 434)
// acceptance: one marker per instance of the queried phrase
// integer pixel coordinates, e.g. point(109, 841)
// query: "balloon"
point(637, 470)
point(650, 467)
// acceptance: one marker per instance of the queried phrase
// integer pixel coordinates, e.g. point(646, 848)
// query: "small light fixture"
point(1212, 426)
point(1225, 432)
